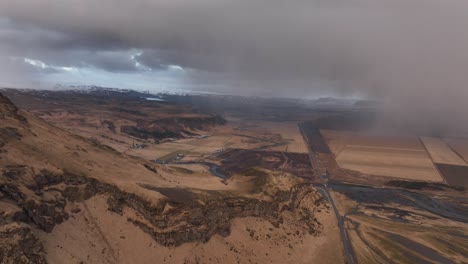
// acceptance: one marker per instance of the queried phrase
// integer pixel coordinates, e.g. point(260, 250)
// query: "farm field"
point(440, 152)
point(459, 145)
point(395, 157)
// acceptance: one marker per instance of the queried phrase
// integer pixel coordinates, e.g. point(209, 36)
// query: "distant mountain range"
point(109, 91)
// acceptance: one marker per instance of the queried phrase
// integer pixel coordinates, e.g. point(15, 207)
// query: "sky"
point(412, 55)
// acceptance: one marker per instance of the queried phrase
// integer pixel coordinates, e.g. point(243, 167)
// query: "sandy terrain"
point(198, 177)
point(95, 235)
point(376, 155)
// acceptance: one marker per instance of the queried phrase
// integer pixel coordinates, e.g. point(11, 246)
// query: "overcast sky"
point(411, 54)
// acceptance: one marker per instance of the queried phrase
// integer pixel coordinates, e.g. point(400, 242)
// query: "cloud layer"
point(410, 54)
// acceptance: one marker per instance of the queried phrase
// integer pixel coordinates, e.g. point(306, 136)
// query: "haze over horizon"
point(411, 55)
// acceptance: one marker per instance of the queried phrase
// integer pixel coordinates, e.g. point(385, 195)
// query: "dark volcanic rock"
point(45, 215)
point(171, 127)
point(190, 221)
point(11, 191)
point(115, 204)
point(14, 172)
point(19, 245)
point(43, 210)
point(46, 178)
point(72, 193)
point(147, 133)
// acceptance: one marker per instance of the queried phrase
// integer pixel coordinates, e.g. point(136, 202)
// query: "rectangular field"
point(400, 163)
point(399, 157)
point(459, 145)
point(441, 153)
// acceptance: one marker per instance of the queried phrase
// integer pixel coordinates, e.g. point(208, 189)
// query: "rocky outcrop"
point(200, 216)
point(193, 221)
point(19, 246)
point(185, 216)
point(304, 201)
point(43, 208)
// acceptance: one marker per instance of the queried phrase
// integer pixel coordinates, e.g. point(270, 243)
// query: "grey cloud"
point(410, 54)
point(26, 35)
point(152, 60)
point(110, 61)
point(64, 49)
point(161, 59)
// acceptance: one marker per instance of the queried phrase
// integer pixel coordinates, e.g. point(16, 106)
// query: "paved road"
point(324, 191)
point(348, 252)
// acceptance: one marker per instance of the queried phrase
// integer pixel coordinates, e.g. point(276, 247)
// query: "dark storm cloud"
point(410, 54)
point(116, 61)
point(252, 39)
point(23, 34)
point(65, 49)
